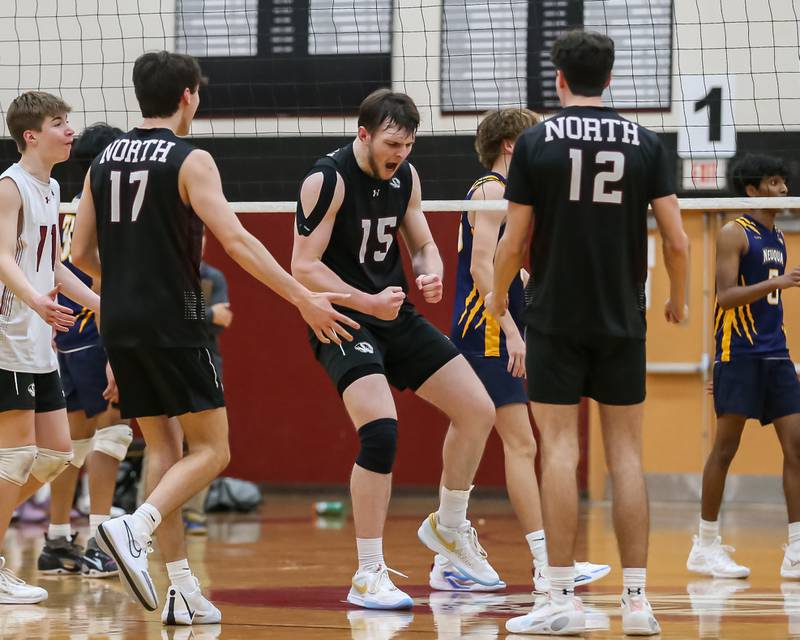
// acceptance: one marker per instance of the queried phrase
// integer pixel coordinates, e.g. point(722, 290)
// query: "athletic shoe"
point(461, 547)
point(560, 618)
point(117, 539)
point(96, 563)
point(373, 589)
point(790, 567)
point(189, 608)
point(585, 573)
point(445, 577)
point(637, 616)
point(377, 625)
point(195, 524)
point(16, 591)
point(60, 556)
point(714, 560)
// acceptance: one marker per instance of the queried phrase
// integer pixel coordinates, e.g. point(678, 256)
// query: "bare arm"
point(74, 289)
point(83, 251)
point(307, 252)
point(201, 185)
point(425, 259)
point(12, 276)
point(731, 245)
point(510, 255)
point(675, 245)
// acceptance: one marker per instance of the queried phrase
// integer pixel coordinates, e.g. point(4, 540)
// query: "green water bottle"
point(329, 508)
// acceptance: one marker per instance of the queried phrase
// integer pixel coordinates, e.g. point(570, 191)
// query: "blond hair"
point(500, 125)
point(28, 111)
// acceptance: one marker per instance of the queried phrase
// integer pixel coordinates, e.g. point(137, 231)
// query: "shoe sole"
point(58, 572)
point(99, 575)
point(641, 631)
point(105, 544)
point(6, 600)
point(475, 587)
point(359, 601)
point(593, 577)
point(575, 625)
point(437, 547)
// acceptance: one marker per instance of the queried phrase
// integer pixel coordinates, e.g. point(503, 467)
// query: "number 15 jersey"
point(150, 243)
point(589, 174)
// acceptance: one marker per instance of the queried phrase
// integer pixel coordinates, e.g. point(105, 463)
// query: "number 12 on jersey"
point(135, 176)
point(599, 194)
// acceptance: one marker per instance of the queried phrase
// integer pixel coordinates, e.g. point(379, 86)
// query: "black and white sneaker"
point(60, 556)
point(184, 608)
point(96, 563)
point(117, 538)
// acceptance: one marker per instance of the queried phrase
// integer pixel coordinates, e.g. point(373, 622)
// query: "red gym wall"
point(287, 423)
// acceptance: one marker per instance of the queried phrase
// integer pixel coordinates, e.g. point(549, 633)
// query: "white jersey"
point(25, 339)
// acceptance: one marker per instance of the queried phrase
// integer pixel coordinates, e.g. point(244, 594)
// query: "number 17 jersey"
point(589, 174)
point(149, 242)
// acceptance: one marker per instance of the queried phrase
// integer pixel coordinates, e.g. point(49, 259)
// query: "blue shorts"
point(756, 388)
point(503, 388)
point(83, 374)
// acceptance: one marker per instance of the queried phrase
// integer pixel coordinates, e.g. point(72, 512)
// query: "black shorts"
point(757, 388)
point(562, 369)
point(83, 374)
point(39, 392)
point(156, 381)
point(408, 351)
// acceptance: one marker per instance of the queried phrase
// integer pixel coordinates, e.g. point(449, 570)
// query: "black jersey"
point(363, 247)
point(589, 174)
point(150, 244)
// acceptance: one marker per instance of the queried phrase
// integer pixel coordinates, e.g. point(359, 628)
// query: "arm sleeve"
point(662, 172)
point(219, 293)
point(519, 187)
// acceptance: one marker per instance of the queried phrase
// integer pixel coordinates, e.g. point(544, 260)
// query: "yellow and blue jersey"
point(473, 330)
point(755, 330)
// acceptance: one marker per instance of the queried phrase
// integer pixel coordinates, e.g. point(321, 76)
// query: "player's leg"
point(17, 455)
point(455, 390)
point(371, 408)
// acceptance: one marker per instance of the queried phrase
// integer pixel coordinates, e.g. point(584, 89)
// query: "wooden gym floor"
point(281, 573)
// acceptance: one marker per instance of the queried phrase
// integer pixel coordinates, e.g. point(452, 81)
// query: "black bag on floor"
point(232, 494)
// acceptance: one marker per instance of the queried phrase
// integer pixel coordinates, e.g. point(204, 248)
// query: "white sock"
point(59, 531)
point(180, 575)
point(95, 521)
point(794, 532)
point(538, 547)
point(633, 581)
point(370, 553)
point(562, 582)
point(452, 511)
point(145, 520)
point(709, 532)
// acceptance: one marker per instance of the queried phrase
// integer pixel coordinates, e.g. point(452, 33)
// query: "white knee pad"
point(81, 449)
point(49, 464)
point(114, 440)
point(16, 463)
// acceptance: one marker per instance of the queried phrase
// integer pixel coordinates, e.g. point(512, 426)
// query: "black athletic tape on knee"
point(307, 223)
point(378, 445)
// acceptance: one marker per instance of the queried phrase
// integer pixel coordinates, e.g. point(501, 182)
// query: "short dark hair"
point(500, 125)
point(92, 141)
point(160, 78)
point(385, 105)
point(28, 111)
point(586, 59)
point(752, 168)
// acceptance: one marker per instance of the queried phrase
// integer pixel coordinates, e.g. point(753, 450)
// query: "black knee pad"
point(378, 445)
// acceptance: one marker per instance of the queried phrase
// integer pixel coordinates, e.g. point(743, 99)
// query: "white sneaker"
point(117, 539)
point(790, 567)
point(445, 577)
point(461, 547)
point(585, 573)
point(637, 616)
point(561, 618)
point(189, 608)
point(375, 590)
point(377, 625)
point(715, 560)
point(13, 590)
